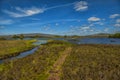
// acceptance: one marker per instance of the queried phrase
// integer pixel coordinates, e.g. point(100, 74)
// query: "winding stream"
point(21, 55)
point(26, 53)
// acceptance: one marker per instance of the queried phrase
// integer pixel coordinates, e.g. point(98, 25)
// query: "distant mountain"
point(99, 35)
point(102, 34)
point(37, 34)
point(30, 35)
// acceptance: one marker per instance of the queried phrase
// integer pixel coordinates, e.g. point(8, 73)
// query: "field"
point(58, 60)
point(14, 47)
point(92, 62)
point(34, 67)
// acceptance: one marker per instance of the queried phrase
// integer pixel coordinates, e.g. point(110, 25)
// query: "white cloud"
point(87, 27)
point(59, 6)
point(5, 21)
point(46, 28)
point(56, 24)
point(106, 29)
point(81, 6)
point(24, 12)
point(92, 19)
point(118, 21)
point(78, 6)
point(83, 30)
point(92, 30)
point(91, 25)
point(117, 25)
point(114, 15)
point(96, 23)
point(99, 23)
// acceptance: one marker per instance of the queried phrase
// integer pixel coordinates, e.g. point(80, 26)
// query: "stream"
point(26, 53)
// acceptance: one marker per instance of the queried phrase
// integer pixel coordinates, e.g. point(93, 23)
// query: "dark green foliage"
point(15, 36)
point(75, 36)
point(116, 35)
point(2, 38)
point(37, 36)
point(65, 36)
point(57, 42)
point(21, 36)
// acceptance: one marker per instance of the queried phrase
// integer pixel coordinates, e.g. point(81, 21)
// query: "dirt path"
point(56, 70)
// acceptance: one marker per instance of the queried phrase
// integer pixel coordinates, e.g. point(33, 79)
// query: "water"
point(26, 53)
point(115, 41)
point(21, 55)
point(40, 42)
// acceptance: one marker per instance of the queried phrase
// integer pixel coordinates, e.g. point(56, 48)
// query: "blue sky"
point(61, 17)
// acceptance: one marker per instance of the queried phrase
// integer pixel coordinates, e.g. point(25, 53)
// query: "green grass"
point(84, 62)
point(10, 48)
point(35, 66)
point(92, 62)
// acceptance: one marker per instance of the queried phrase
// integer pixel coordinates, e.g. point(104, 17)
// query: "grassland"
point(33, 67)
point(92, 62)
point(10, 48)
point(59, 60)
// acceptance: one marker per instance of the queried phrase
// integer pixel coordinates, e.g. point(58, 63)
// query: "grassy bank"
point(92, 62)
point(10, 48)
point(35, 66)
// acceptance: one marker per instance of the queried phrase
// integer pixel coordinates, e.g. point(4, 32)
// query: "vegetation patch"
point(10, 48)
point(92, 62)
point(58, 60)
point(35, 66)
point(116, 35)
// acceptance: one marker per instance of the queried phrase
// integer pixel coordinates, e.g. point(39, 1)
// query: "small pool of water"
point(40, 42)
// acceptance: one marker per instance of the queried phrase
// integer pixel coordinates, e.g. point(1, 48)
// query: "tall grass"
point(35, 66)
point(92, 62)
point(84, 62)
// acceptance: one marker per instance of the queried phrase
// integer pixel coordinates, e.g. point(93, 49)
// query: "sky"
point(59, 17)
